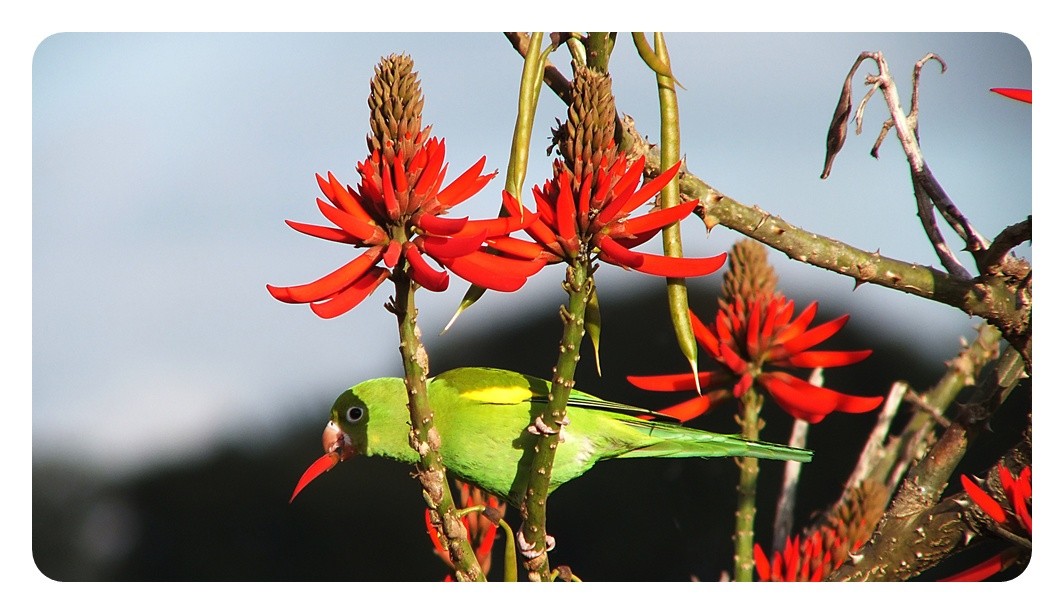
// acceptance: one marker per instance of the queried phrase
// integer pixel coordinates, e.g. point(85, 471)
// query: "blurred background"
point(175, 403)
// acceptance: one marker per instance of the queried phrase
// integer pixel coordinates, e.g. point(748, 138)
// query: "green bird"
point(483, 417)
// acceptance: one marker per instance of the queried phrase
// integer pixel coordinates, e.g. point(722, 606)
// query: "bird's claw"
point(539, 427)
point(528, 550)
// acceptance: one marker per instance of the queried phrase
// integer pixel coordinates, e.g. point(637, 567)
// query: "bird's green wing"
point(673, 440)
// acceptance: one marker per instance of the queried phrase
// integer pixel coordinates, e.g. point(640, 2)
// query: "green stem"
point(424, 437)
point(579, 286)
point(599, 48)
point(746, 508)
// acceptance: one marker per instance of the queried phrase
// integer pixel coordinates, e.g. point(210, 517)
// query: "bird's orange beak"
point(337, 448)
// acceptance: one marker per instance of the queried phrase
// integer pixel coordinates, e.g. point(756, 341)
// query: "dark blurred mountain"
point(228, 517)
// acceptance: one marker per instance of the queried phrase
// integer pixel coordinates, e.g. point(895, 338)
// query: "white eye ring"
point(355, 413)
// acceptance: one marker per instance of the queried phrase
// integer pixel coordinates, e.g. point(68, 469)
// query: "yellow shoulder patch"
point(498, 395)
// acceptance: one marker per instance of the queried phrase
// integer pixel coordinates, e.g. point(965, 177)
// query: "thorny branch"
point(919, 530)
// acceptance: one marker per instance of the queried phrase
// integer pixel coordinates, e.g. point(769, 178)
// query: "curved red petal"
point(391, 254)
point(704, 335)
point(519, 248)
point(649, 189)
point(983, 500)
point(391, 203)
point(433, 166)
point(329, 285)
point(423, 273)
point(615, 253)
point(764, 571)
point(565, 209)
point(442, 226)
point(450, 247)
point(799, 324)
point(813, 359)
point(655, 220)
point(1013, 92)
point(669, 383)
point(798, 397)
point(982, 571)
point(466, 185)
point(620, 199)
point(354, 294)
point(816, 335)
point(667, 266)
point(317, 468)
point(690, 409)
point(340, 196)
point(325, 232)
point(493, 272)
point(369, 233)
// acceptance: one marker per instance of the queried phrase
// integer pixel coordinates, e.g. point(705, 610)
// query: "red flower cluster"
point(747, 338)
point(581, 217)
point(803, 560)
point(481, 530)
point(395, 215)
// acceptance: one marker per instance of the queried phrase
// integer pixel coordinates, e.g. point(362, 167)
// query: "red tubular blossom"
point(750, 342)
point(396, 214)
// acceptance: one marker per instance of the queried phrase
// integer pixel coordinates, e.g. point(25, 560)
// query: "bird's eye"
point(355, 413)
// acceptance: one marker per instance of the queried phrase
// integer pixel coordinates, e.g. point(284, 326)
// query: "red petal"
point(431, 172)
point(1015, 93)
point(442, 226)
point(467, 184)
point(798, 397)
point(565, 209)
point(704, 335)
point(492, 272)
point(325, 232)
point(799, 325)
point(811, 360)
point(319, 467)
point(761, 562)
point(669, 383)
point(450, 247)
point(351, 296)
point(655, 220)
point(620, 201)
point(692, 408)
point(615, 253)
point(391, 203)
point(339, 195)
point(519, 248)
point(329, 285)
point(368, 232)
point(650, 189)
point(391, 254)
point(667, 266)
point(816, 335)
point(983, 500)
point(422, 273)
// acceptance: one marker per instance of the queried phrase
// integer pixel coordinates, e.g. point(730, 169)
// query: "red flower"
point(590, 217)
point(480, 529)
point(809, 559)
point(746, 339)
point(395, 216)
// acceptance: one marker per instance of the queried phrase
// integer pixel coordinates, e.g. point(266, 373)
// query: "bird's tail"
point(673, 441)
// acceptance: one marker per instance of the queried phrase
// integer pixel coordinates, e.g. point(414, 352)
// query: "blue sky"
point(165, 164)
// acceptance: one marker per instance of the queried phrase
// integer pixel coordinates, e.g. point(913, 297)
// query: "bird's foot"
point(539, 427)
point(529, 551)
